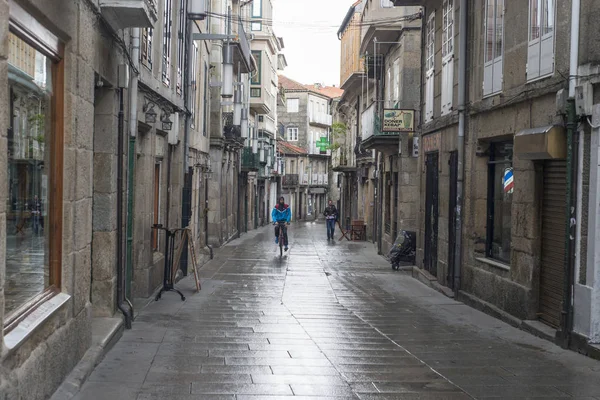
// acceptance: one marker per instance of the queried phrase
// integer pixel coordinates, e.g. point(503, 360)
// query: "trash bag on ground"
point(404, 249)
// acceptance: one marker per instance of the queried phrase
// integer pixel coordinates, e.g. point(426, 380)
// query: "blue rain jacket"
point(278, 215)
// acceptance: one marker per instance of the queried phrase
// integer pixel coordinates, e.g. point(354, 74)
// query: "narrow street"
point(326, 321)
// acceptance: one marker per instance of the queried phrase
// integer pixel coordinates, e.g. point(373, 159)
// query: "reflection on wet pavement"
point(327, 321)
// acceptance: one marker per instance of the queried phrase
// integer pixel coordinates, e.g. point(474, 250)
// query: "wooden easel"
point(185, 233)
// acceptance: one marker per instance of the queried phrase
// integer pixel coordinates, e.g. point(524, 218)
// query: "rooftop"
point(290, 149)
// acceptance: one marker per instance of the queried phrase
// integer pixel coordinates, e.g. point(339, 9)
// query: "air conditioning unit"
point(197, 9)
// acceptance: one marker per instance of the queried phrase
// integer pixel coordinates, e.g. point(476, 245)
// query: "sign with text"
point(431, 142)
point(398, 120)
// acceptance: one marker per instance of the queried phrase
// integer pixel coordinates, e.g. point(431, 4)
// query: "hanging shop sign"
point(398, 120)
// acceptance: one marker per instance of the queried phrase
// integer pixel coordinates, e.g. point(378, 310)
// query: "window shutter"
point(488, 78)
point(447, 84)
point(547, 55)
point(429, 96)
point(533, 60)
point(497, 82)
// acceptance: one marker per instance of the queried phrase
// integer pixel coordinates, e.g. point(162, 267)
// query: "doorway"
point(553, 242)
point(431, 212)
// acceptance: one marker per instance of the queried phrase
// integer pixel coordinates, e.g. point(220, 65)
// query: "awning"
point(543, 143)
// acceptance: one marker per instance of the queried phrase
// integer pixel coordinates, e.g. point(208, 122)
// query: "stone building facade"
point(67, 58)
point(501, 243)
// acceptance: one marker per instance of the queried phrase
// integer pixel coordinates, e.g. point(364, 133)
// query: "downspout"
point(566, 314)
point(133, 110)
point(120, 266)
point(460, 142)
point(187, 170)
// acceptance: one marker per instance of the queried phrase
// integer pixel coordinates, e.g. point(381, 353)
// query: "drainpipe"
point(133, 109)
point(120, 267)
point(187, 169)
point(460, 142)
point(563, 335)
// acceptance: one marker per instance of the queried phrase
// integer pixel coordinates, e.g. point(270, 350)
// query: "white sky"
point(309, 30)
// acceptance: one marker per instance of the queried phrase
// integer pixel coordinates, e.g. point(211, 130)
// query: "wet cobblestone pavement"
point(327, 321)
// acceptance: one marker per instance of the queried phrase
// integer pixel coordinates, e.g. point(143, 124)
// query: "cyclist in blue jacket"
point(281, 213)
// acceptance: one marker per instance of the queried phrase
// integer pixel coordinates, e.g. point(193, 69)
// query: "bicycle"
point(281, 236)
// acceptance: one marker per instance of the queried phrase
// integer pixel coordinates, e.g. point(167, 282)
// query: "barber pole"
point(508, 180)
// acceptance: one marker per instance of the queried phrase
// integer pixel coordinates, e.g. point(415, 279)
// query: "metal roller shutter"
point(553, 242)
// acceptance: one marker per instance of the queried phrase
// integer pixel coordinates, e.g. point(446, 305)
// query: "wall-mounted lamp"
point(167, 124)
point(227, 88)
point(149, 113)
point(244, 122)
point(237, 104)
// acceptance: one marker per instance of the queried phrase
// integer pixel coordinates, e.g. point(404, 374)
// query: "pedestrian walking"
point(36, 211)
point(331, 215)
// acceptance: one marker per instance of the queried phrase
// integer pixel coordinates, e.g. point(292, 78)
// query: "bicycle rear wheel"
point(281, 246)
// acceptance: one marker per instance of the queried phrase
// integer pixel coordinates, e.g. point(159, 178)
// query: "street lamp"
point(244, 121)
point(227, 88)
point(237, 105)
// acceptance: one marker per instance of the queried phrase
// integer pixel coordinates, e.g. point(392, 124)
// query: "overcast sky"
point(309, 30)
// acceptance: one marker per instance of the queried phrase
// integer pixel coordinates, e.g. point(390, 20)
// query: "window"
point(256, 26)
point(429, 67)
point(255, 92)
point(34, 154)
point(181, 45)
point(292, 134)
point(156, 206)
point(540, 52)
point(499, 202)
point(257, 8)
point(293, 105)
point(167, 31)
point(193, 85)
point(146, 47)
point(388, 87)
point(256, 78)
point(396, 79)
point(387, 4)
point(494, 33)
point(447, 56)
point(206, 101)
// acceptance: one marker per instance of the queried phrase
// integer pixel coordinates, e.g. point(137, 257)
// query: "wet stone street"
point(326, 321)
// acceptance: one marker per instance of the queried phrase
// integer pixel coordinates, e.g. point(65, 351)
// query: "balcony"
point(122, 14)
point(241, 54)
point(387, 33)
point(261, 100)
point(290, 180)
point(340, 161)
point(267, 124)
point(320, 119)
point(385, 138)
point(249, 160)
point(408, 3)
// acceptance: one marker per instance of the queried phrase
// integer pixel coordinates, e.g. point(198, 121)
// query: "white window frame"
point(292, 134)
point(447, 56)
point(430, 67)
point(295, 103)
point(493, 67)
point(396, 82)
point(541, 47)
